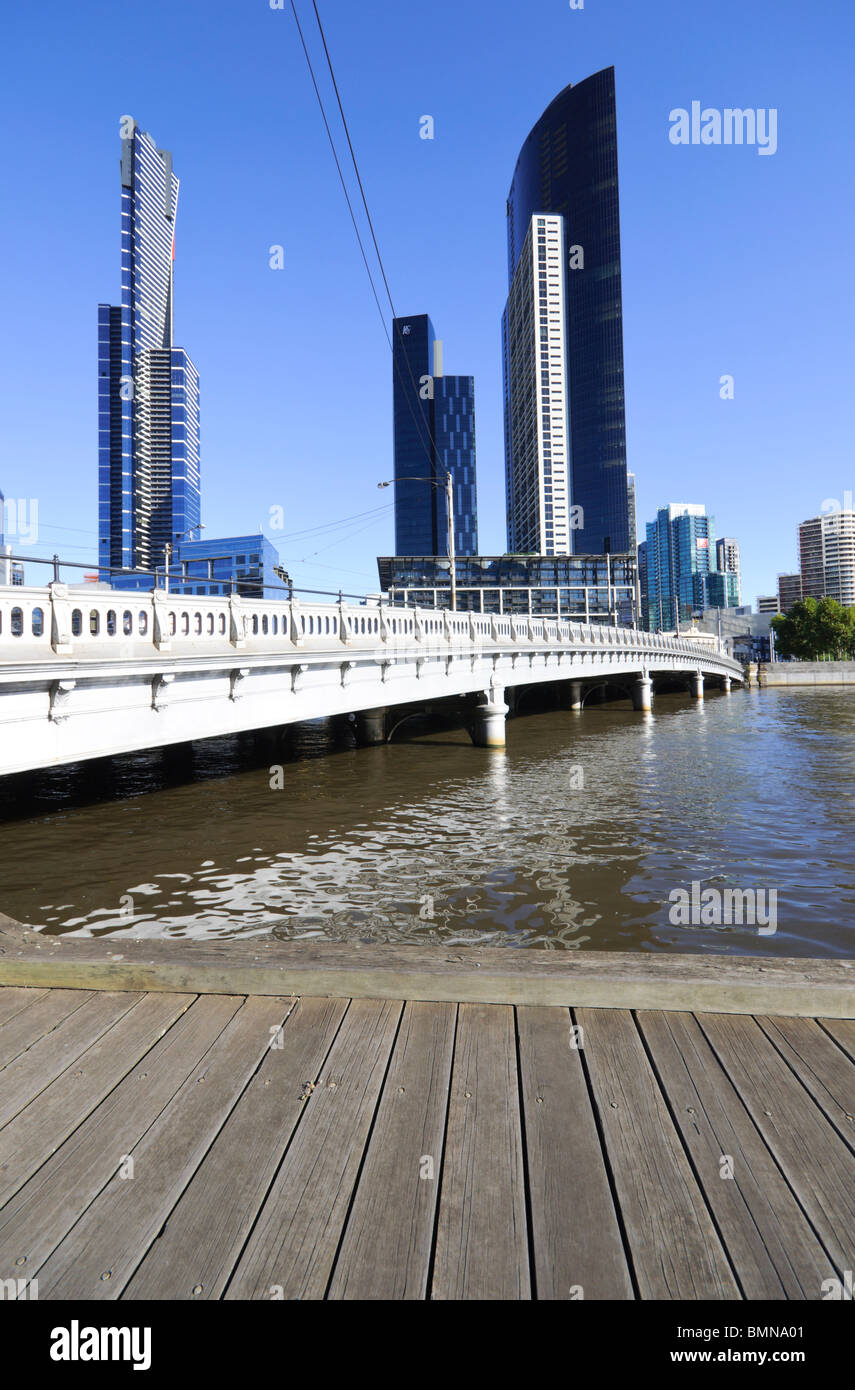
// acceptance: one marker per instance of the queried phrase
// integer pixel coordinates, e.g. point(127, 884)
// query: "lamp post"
point(170, 546)
point(449, 508)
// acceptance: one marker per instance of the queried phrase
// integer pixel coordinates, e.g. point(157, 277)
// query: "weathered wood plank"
point(39, 1129)
point(12, 1001)
point(36, 1219)
point(30, 1073)
point(482, 1236)
point(387, 1244)
point(813, 1158)
point(578, 1250)
point(822, 1067)
point(596, 979)
point(208, 1228)
point(655, 1185)
point(842, 1031)
point(99, 1256)
point(773, 1248)
point(294, 1242)
point(45, 1012)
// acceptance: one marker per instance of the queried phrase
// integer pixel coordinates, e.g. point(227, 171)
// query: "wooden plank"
point(823, 1068)
point(36, 1219)
point(293, 1244)
point(842, 1031)
point(46, 1010)
point(813, 1158)
point(13, 1000)
point(656, 1188)
point(39, 1129)
point(482, 1236)
point(774, 1250)
point(196, 1252)
point(58, 1050)
point(596, 979)
point(100, 1254)
point(578, 1250)
point(387, 1244)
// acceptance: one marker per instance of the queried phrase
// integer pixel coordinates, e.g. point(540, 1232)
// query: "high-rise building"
point(767, 603)
point(721, 589)
point(789, 591)
point(727, 562)
point(631, 512)
point(434, 434)
point(534, 332)
point(677, 566)
point(148, 389)
point(827, 556)
point(567, 172)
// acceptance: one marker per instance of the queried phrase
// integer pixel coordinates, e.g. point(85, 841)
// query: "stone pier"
point(642, 694)
point(489, 730)
point(371, 726)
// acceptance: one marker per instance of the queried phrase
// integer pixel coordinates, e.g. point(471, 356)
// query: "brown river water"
point(573, 836)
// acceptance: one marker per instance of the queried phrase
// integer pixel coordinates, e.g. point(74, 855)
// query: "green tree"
point(814, 630)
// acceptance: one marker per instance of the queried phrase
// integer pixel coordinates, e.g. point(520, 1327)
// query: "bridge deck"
point(177, 1145)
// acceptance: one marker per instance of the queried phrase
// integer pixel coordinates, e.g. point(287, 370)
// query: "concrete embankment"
point(807, 673)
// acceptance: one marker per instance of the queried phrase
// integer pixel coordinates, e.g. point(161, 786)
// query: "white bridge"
point(86, 675)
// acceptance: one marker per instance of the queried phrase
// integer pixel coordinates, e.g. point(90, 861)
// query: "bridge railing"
point(55, 620)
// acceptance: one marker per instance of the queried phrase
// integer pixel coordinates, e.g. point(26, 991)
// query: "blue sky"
point(732, 262)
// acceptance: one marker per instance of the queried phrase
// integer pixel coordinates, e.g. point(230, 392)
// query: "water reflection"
point(433, 839)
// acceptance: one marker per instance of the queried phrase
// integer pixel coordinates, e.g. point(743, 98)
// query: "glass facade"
point(148, 390)
point(677, 567)
point(454, 434)
point(568, 167)
point(585, 588)
point(434, 433)
point(228, 564)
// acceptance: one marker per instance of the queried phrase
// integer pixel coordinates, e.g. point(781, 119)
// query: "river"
point(575, 836)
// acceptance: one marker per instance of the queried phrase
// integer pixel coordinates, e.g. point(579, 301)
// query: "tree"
point(816, 629)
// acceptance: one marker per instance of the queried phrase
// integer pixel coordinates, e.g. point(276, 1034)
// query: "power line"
point(418, 420)
point(341, 175)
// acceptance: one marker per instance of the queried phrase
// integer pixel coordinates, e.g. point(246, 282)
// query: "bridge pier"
point(725, 684)
point(642, 694)
point(489, 729)
point(696, 685)
point(371, 727)
point(576, 695)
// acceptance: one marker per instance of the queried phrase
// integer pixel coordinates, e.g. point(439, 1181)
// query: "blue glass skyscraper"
point(148, 389)
point(568, 167)
point(434, 434)
point(679, 558)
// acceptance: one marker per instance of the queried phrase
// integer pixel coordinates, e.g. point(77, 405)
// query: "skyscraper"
point(534, 329)
point(727, 562)
point(148, 389)
point(827, 556)
point(567, 169)
point(677, 568)
point(630, 511)
point(434, 434)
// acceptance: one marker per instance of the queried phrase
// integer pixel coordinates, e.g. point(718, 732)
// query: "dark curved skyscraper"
point(568, 167)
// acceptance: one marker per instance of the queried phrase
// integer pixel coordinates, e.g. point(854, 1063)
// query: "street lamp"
point(449, 499)
point(170, 546)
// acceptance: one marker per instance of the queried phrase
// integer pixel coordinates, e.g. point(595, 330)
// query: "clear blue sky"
point(732, 262)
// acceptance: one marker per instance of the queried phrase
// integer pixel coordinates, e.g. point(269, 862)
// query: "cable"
point(418, 420)
point(341, 175)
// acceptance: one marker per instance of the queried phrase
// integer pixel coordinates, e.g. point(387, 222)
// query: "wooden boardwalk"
point(185, 1145)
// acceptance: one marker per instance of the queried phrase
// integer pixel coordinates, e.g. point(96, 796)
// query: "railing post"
point(60, 618)
point(160, 634)
point(237, 621)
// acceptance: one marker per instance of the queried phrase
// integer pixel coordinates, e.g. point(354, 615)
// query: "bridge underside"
point(80, 710)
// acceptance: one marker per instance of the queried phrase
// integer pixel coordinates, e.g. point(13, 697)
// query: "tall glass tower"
point(434, 434)
point(568, 167)
point(148, 389)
